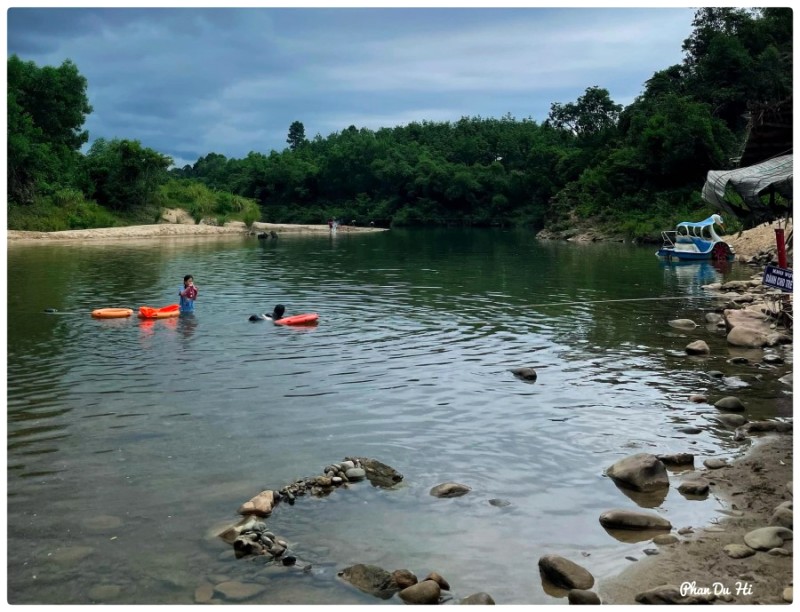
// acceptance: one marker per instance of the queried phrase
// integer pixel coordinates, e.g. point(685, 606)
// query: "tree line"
point(636, 169)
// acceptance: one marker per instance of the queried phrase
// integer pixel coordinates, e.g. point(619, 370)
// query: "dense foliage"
point(636, 169)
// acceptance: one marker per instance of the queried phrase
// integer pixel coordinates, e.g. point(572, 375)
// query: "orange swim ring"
point(112, 313)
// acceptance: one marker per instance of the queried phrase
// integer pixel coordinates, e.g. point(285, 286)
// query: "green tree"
point(297, 135)
point(125, 175)
point(46, 110)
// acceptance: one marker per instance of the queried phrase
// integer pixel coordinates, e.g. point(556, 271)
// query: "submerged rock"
point(450, 489)
point(632, 519)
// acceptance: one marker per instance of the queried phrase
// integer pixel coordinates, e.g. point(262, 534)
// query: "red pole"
point(781, 244)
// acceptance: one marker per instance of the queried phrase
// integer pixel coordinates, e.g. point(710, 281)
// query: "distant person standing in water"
point(188, 294)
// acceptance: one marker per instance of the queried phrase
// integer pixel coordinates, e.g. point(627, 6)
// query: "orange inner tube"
point(301, 319)
point(148, 312)
point(112, 313)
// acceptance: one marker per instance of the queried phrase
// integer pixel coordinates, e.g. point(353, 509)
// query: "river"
point(132, 443)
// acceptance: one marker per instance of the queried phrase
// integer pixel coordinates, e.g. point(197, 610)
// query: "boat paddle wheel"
point(721, 252)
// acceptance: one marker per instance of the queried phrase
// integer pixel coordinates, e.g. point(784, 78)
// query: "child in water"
point(277, 313)
point(188, 294)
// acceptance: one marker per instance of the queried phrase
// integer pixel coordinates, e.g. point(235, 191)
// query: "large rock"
point(261, 505)
point(632, 519)
point(370, 579)
point(766, 538)
point(747, 338)
point(565, 573)
point(379, 474)
point(640, 472)
point(425, 592)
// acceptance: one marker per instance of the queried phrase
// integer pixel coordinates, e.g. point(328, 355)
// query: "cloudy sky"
point(190, 81)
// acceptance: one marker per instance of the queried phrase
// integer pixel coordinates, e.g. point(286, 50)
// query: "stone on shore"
point(438, 579)
point(582, 597)
point(669, 594)
point(640, 472)
point(747, 338)
point(738, 551)
point(694, 487)
point(677, 459)
point(782, 517)
point(633, 519)
point(715, 464)
point(565, 573)
point(766, 538)
point(731, 420)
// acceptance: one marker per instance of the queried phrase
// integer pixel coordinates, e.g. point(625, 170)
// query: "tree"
point(593, 113)
point(297, 135)
point(125, 174)
point(47, 108)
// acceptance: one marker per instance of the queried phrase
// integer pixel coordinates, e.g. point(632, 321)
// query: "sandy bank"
point(174, 230)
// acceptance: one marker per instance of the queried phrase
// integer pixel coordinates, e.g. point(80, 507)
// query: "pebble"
point(356, 473)
point(499, 503)
point(715, 464)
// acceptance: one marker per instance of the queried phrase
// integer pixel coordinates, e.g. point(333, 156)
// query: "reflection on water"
point(131, 441)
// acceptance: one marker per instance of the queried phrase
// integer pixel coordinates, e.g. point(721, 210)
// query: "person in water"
point(277, 313)
point(187, 294)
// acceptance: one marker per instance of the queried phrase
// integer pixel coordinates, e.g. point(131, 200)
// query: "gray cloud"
point(187, 82)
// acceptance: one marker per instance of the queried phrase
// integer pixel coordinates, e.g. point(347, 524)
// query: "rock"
point(767, 537)
point(773, 359)
point(778, 338)
point(356, 473)
point(736, 285)
point(477, 599)
point(260, 505)
point(690, 430)
point(632, 519)
point(565, 573)
point(582, 597)
point(715, 464)
point(685, 530)
point(714, 318)
point(683, 323)
point(450, 489)
point(787, 594)
point(665, 539)
point(763, 426)
point(203, 593)
point(239, 591)
point(404, 578)
point(782, 517)
point(668, 594)
point(694, 487)
point(748, 338)
point(379, 474)
point(730, 404)
point(738, 551)
point(779, 552)
point(437, 578)
point(698, 347)
point(526, 374)
point(499, 503)
point(104, 592)
point(698, 398)
point(677, 459)
point(71, 554)
point(370, 579)
point(731, 420)
point(425, 592)
point(640, 472)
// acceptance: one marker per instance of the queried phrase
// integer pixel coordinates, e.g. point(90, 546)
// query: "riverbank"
point(749, 490)
point(173, 230)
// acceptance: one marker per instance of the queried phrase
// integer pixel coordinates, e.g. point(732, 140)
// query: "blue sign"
point(780, 278)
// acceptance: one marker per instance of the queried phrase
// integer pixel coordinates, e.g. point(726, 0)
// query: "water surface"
point(131, 443)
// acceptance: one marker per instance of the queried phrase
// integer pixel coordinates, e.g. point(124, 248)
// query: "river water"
point(131, 444)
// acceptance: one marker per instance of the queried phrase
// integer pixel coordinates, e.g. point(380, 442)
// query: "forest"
point(634, 170)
